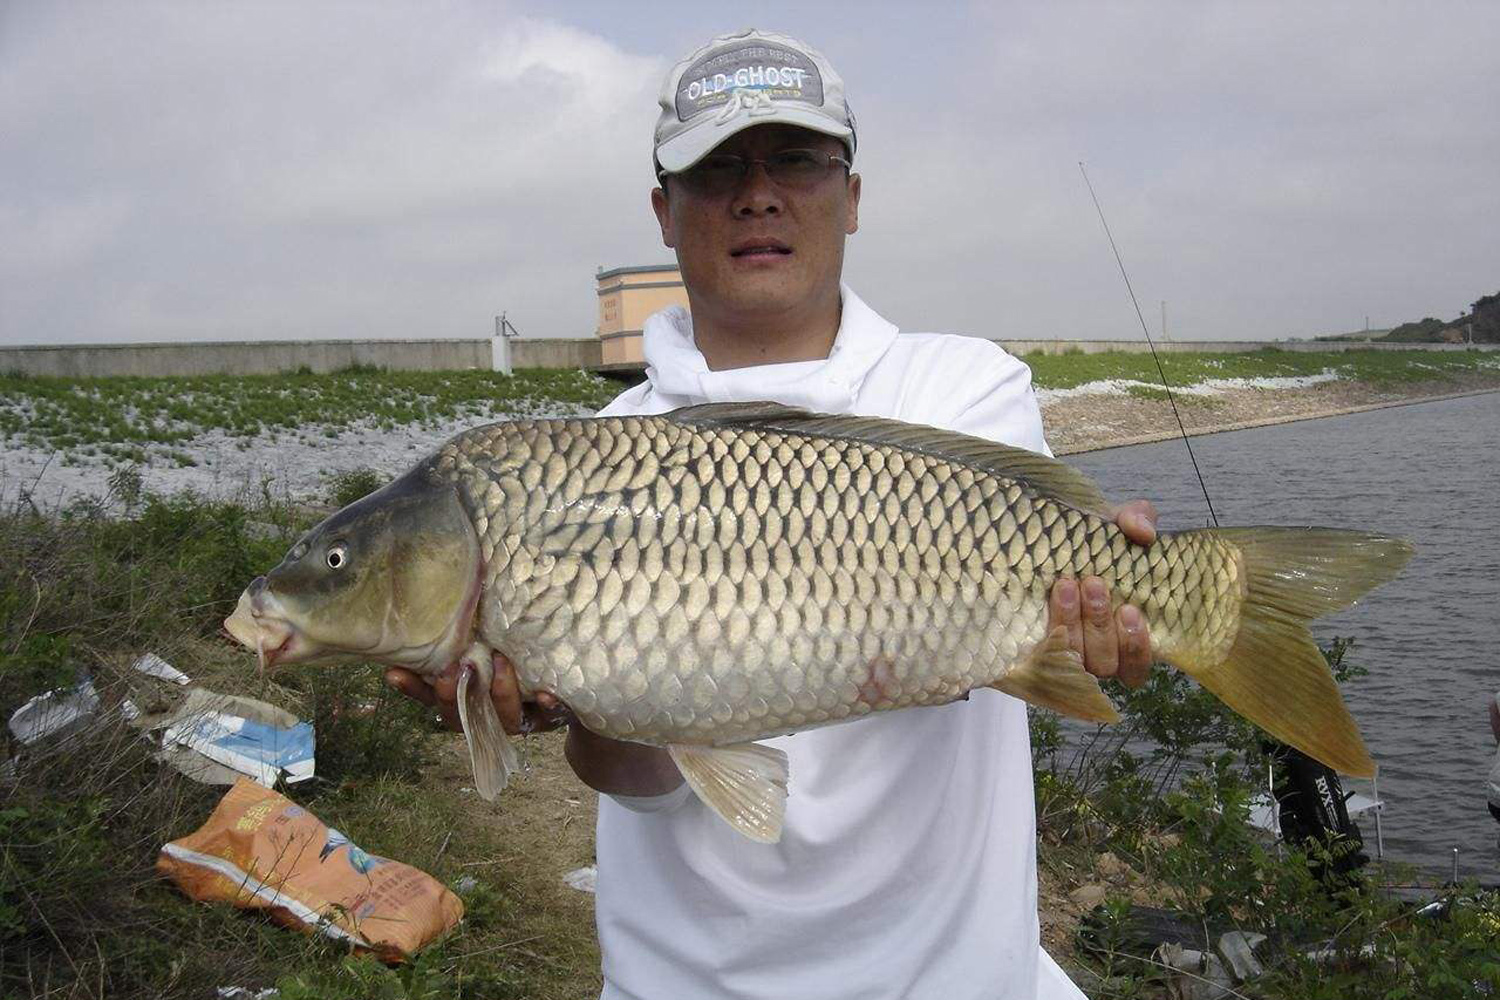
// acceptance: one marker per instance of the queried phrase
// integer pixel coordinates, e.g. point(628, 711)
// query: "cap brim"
point(687, 148)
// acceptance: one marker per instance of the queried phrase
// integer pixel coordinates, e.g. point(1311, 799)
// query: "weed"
point(345, 488)
point(1171, 793)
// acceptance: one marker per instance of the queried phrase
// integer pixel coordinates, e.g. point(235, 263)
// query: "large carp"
point(723, 573)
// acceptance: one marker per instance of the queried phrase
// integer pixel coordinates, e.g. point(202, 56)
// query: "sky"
point(273, 170)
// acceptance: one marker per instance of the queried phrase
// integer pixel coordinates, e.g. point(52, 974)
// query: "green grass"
point(125, 419)
point(1064, 371)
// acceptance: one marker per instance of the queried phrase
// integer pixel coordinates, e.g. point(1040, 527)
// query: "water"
point(1431, 638)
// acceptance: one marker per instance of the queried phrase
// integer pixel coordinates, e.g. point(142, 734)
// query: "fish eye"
point(338, 556)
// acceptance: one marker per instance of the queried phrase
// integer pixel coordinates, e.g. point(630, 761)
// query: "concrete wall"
point(269, 357)
point(244, 358)
point(580, 352)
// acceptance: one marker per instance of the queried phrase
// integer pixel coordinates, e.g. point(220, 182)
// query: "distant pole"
point(1163, 319)
point(500, 345)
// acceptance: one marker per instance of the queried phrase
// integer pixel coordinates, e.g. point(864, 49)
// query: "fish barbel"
point(720, 574)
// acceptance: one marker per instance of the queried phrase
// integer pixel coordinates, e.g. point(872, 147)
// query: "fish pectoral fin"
point(745, 784)
point(1052, 676)
point(491, 753)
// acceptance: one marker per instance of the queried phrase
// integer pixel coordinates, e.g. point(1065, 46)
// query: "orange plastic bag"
point(260, 850)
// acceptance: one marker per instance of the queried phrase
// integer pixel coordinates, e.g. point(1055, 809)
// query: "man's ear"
point(663, 210)
point(851, 220)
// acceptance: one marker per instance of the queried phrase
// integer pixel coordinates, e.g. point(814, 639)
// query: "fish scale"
point(935, 604)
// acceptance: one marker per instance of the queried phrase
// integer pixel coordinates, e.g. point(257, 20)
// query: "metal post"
point(500, 345)
point(1379, 808)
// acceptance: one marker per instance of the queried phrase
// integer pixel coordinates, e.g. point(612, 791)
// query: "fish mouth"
point(274, 639)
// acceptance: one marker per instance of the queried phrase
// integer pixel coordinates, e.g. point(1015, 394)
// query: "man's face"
point(761, 248)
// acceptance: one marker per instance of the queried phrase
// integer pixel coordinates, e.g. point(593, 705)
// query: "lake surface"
point(1430, 639)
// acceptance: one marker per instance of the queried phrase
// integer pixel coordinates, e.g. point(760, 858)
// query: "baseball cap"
point(741, 80)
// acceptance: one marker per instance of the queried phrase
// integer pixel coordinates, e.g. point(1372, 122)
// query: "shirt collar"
point(676, 368)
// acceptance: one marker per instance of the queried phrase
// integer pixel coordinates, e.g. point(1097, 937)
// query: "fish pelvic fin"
point(491, 754)
point(745, 784)
point(1274, 674)
point(1053, 676)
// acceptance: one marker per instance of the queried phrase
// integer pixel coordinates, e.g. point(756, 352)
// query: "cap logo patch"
point(775, 73)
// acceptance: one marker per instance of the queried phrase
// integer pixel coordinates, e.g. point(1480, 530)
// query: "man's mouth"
point(760, 249)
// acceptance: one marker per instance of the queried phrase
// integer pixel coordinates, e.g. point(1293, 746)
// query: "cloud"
point(196, 171)
point(361, 170)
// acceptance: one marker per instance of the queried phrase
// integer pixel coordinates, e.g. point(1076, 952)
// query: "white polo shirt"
point(906, 868)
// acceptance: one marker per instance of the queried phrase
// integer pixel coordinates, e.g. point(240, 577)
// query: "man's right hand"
point(611, 766)
point(517, 716)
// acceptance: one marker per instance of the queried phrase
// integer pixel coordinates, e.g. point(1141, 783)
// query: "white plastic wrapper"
point(582, 879)
point(54, 712)
point(154, 666)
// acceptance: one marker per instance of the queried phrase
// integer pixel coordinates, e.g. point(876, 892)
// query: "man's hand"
point(1117, 645)
point(515, 715)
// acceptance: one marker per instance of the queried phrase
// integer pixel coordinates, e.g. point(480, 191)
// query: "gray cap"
point(745, 79)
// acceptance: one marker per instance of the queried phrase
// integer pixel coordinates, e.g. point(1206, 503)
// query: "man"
point(906, 866)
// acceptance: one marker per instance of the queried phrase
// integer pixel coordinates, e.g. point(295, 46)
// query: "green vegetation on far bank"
point(125, 418)
point(1480, 325)
point(1064, 371)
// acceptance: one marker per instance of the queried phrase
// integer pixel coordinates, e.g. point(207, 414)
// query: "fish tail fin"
point(1273, 672)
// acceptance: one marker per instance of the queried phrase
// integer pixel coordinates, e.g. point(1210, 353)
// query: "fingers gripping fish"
point(721, 574)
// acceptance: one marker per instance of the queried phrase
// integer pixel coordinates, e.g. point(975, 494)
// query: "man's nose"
point(757, 194)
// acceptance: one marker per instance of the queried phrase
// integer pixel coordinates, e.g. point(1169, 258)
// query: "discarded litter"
point(260, 850)
point(582, 879)
point(241, 993)
point(54, 712)
point(154, 666)
point(215, 738)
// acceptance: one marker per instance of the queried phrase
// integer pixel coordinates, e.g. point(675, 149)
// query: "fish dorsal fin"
point(1047, 476)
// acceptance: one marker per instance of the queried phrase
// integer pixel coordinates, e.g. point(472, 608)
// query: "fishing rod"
point(1152, 344)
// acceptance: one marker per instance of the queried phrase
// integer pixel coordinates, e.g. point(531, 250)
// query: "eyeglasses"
point(793, 169)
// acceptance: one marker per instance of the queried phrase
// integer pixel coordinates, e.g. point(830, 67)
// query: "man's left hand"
point(1117, 645)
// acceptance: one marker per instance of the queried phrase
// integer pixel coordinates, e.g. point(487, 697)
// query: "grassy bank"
point(139, 419)
point(130, 418)
point(1064, 371)
point(82, 912)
